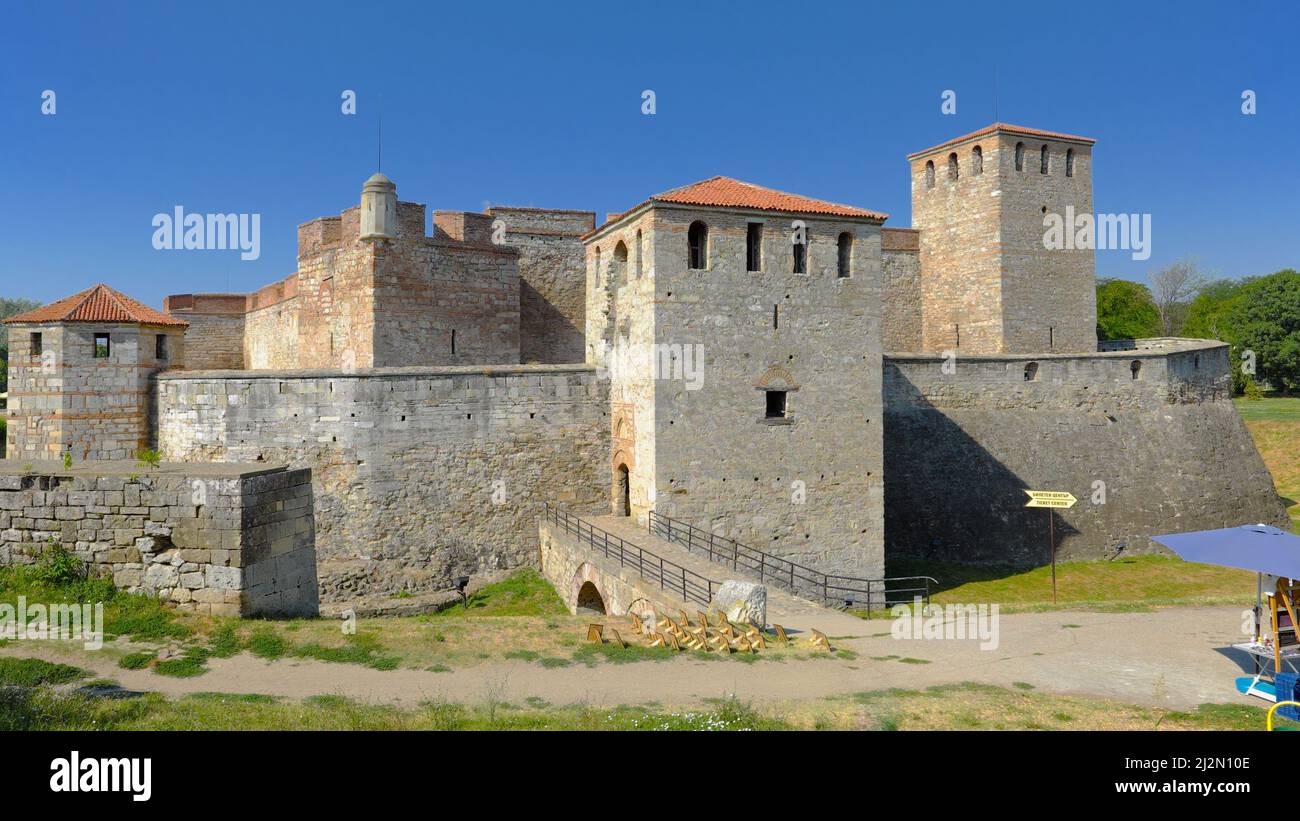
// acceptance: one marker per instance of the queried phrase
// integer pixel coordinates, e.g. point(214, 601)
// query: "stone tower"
point(988, 283)
point(79, 375)
point(379, 208)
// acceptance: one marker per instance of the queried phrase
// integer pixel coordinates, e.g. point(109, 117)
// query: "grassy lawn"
point(1135, 583)
point(1274, 424)
point(37, 695)
point(520, 618)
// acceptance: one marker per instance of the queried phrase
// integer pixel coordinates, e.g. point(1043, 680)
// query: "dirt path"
point(1171, 658)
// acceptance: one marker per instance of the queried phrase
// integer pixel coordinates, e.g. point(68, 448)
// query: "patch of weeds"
point(590, 654)
point(193, 662)
point(135, 661)
point(910, 660)
point(224, 642)
point(537, 703)
point(524, 593)
point(234, 698)
point(35, 672)
point(438, 668)
point(847, 655)
point(1063, 717)
point(523, 655)
point(883, 658)
point(1023, 685)
point(1071, 626)
point(553, 662)
point(268, 644)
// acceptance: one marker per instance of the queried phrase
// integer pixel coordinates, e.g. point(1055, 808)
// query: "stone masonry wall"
point(552, 280)
point(221, 540)
point(901, 288)
point(1151, 450)
point(215, 335)
point(420, 474)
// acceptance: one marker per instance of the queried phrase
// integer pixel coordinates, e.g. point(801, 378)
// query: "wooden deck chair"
point(686, 620)
point(617, 639)
point(743, 645)
point(657, 640)
point(595, 633)
point(719, 642)
point(672, 641)
point(661, 622)
point(637, 626)
point(819, 640)
point(780, 635)
point(703, 617)
point(755, 637)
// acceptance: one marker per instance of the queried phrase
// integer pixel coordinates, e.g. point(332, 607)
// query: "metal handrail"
point(669, 575)
point(846, 591)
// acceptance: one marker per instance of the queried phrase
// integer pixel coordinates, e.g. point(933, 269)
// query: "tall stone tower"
point(988, 283)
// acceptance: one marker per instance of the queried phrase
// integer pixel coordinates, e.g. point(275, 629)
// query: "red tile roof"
point(1009, 129)
point(726, 192)
point(98, 304)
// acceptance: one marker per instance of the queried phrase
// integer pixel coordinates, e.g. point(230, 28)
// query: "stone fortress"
point(777, 369)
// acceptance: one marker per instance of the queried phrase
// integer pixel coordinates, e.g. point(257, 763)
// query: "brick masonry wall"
point(1169, 447)
point(215, 336)
point(215, 540)
point(552, 274)
point(67, 400)
point(420, 474)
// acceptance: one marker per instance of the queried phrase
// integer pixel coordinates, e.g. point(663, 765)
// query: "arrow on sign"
point(1050, 498)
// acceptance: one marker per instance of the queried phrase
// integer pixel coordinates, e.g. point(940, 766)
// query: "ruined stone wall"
point(552, 280)
point(215, 336)
point(1154, 449)
point(219, 540)
point(789, 485)
point(67, 400)
point(901, 288)
point(420, 474)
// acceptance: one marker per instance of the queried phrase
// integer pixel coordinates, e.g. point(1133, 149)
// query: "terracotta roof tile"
point(726, 192)
point(1009, 129)
point(98, 304)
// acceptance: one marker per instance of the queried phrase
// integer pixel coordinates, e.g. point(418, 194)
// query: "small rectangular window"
point(775, 404)
point(754, 247)
point(37, 348)
point(101, 346)
point(776, 317)
point(160, 347)
point(453, 340)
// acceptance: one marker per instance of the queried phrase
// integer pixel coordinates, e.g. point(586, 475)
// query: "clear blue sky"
point(235, 107)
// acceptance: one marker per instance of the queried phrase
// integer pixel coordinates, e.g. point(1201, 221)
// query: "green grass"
point(1131, 584)
point(359, 648)
point(1274, 424)
point(524, 593)
point(15, 672)
point(1275, 408)
point(140, 617)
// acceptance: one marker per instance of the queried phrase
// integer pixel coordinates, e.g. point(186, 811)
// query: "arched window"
point(598, 271)
point(800, 246)
point(977, 160)
point(1031, 372)
point(698, 238)
point(1020, 156)
point(1069, 162)
point(1042, 168)
point(952, 166)
point(845, 255)
point(640, 250)
point(620, 263)
point(929, 173)
point(1135, 368)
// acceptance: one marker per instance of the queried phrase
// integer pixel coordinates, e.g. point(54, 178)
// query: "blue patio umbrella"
point(1262, 548)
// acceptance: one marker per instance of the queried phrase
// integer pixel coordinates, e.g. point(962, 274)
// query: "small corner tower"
point(989, 284)
point(378, 209)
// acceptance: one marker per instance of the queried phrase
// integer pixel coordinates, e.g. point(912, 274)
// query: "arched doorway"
point(589, 600)
point(622, 492)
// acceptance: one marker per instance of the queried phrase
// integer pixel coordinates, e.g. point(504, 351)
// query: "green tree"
point(1212, 315)
point(1125, 310)
point(1266, 321)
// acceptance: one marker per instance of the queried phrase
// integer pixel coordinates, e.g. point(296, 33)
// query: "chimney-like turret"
point(379, 208)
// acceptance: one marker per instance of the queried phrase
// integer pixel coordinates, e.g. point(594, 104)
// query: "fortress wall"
point(1169, 447)
point(420, 474)
point(552, 280)
point(900, 263)
point(271, 336)
point(215, 337)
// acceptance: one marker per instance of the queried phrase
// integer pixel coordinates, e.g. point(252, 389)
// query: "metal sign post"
point(1051, 499)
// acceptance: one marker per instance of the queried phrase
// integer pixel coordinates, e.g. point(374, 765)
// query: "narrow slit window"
point(977, 161)
point(1069, 162)
point(1020, 156)
point(845, 255)
point(801, 253)
point(697, 237)
point(453, 340)
point(754, 247)
point(776, 317)
point(1042, 163)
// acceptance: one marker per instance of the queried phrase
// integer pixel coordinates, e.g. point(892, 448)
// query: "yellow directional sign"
point(1050, 498)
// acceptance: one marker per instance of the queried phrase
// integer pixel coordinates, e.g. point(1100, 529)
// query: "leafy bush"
point(58, 566)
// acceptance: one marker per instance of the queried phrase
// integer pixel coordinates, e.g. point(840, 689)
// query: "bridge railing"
point(831, 590)
point(668, 575)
